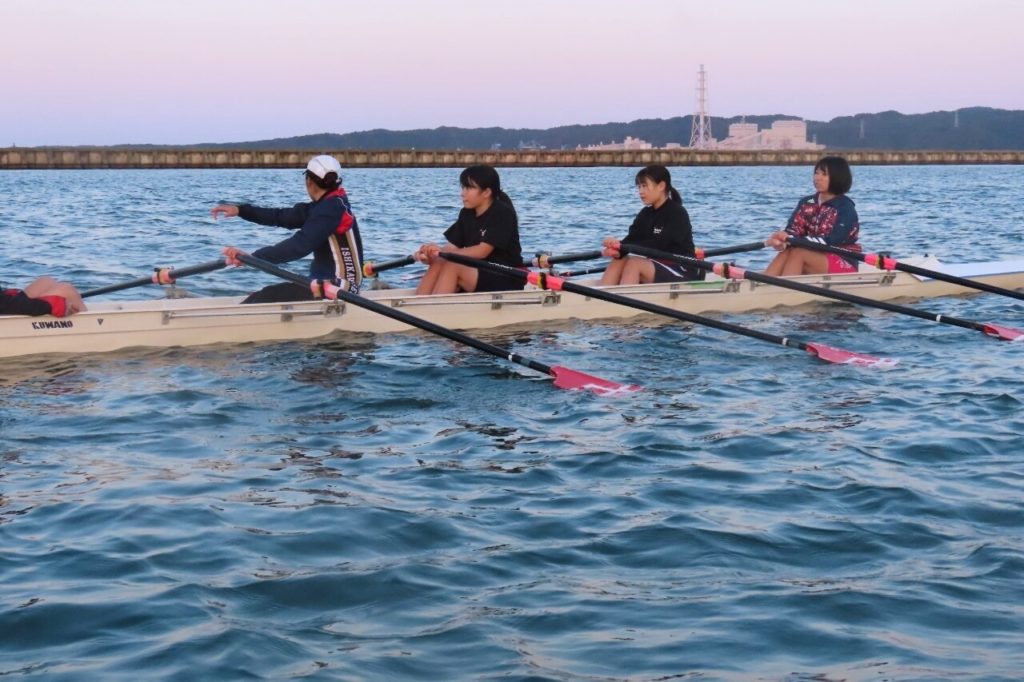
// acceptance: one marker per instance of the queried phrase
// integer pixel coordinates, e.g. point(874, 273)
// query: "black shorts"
point(673, 272)
point(492, 281)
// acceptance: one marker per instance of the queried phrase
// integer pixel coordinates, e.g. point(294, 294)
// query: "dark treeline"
point(972, 128)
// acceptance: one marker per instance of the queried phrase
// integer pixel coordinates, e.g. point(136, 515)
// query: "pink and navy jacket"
point(326, 228)
point(834, 222)
point(15, 302)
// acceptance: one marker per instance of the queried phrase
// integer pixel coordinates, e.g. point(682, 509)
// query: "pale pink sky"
point(182, 71)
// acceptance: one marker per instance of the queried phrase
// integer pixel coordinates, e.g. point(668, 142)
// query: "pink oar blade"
point(1004, 333)
point(845, 357)
point(578, 381)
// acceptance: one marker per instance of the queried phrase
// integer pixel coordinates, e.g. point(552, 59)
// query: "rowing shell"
point(113, 325)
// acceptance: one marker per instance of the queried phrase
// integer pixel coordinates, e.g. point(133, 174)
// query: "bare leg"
point(805, 262)
point(638, 270)
point(453, 277)
point(613, 273)
point(778, 264)
point(426, 285)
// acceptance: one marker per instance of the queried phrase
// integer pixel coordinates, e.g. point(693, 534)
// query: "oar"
point(159, 276)
point(371, 269)
point(734, 272)
point(543, 260)
point(886, 263)
point(548, 281)
point(585, 271)
point(564, 377)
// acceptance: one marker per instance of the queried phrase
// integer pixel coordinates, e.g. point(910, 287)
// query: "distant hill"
point(975, 128)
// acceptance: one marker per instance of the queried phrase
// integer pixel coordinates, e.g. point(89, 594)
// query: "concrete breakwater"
point(81, 157)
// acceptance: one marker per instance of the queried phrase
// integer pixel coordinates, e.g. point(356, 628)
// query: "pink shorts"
point(838, 264)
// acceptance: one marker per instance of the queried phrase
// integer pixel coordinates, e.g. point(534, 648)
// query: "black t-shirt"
point(666, 229)
point(498, 226)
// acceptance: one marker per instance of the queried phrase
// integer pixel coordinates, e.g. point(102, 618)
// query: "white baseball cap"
point(321, 165)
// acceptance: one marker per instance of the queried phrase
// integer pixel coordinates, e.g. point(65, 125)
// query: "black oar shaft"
point(806, 288)
point(892, 264)
point(400, 316)
point(371, 269)
point(630, 302)
point(176, 274)
point(739, 248)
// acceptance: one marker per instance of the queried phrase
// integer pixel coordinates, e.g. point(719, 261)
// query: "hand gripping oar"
point(564, 377)
point(543, 260)
point(734, 272)
point(548, 281)
point(159, 276)
point(885, 263)
point(371, 269)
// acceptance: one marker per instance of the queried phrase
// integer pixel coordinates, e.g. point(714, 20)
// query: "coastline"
point(44, 158)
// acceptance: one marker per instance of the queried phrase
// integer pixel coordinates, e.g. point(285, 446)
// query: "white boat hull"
point(109, 326)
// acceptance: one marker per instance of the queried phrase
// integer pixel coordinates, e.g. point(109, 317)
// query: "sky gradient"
point(120, 71)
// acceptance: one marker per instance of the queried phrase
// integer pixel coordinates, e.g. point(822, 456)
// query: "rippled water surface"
point(399, 507)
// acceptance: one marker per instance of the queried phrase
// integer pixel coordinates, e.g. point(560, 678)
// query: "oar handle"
point(371, 269)
point(159, 276)
point(887, 263)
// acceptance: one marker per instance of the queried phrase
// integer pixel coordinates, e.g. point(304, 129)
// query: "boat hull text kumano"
point(113, 325)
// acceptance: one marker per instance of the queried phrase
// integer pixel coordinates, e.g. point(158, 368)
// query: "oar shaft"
point(371, 269)
point(400, 316)
point(740, 273)
point(172, 274)
point(886, 263)
point(543, 280)
point(739, 248)
point(545, 261)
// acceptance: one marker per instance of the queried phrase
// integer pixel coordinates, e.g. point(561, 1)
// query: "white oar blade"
point(578, 381)
point(845, 357)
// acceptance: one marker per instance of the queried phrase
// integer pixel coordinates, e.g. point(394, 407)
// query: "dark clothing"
point(15, 302)
point(494, 281)
point(667, 229)
point(326, 228)
point(286, 292)
point(834, 222)
point(498, 226)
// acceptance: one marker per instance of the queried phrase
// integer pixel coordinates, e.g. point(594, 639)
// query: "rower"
point(324, 227)
point(661, 224)
point(44, 296)
point(487, 228)
point(827, 216)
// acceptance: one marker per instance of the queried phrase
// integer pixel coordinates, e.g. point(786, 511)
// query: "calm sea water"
point(403, 508)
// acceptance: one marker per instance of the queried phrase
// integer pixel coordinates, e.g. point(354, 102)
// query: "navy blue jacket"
point(326, 228)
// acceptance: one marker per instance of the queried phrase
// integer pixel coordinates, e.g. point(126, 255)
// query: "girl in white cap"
point(324, 227)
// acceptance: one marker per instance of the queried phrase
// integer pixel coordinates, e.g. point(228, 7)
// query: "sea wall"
point(81, 157)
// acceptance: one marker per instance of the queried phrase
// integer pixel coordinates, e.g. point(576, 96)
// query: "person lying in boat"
point(828, 216)
point(487, 228)
point(324, 227)
point(661, 224)
point(44, 296)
